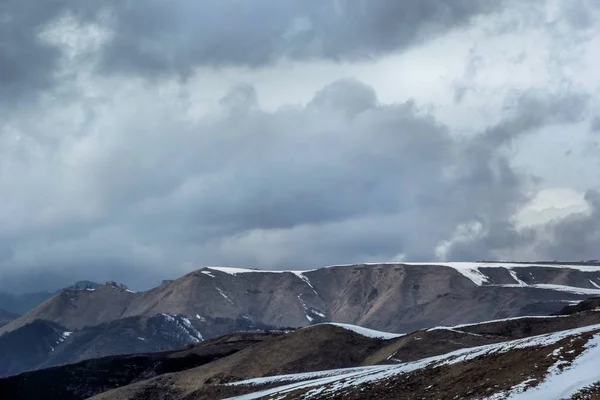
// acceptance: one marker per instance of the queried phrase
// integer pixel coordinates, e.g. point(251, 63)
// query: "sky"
point(141, 140)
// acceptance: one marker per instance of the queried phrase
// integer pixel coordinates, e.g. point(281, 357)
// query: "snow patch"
point(168, 317)
point(235, 271)
point(371, 333)
point(301, 275)
point(202, 319)
point(564, 384)
point(496, 320)
point(208, 273)
point(559, 288)
point(224, 295)
point(516, 278)
point(442, 328)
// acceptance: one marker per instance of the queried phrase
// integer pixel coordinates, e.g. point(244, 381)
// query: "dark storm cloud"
point(155, 37)
point(26, 62)
point(159, 37)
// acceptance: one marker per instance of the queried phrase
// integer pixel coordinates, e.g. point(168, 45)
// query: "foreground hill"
point(390, 297)
point(221, 367)
point(42, 343)
point(86, 378)
point(552, 366)
point(235, 375)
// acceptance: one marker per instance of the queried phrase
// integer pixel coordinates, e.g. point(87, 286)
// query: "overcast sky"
point(140, 140)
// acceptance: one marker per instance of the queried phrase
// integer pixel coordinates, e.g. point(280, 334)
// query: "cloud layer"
point(110, 167)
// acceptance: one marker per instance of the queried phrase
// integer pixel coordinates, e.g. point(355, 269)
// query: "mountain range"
point(87, 322)
point(531, 357)
point(390, 297)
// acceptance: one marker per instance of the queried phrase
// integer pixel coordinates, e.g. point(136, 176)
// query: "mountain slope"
point(214, 369)
point(388, 297)
point(90, 377)
point(29, 346)
point(220, 379)
point(551, 366)
point(43, 343)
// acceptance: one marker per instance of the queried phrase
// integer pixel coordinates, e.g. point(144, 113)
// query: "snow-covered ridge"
point(455, 327)
point(560, 288)
point(371, 333)
point(470, 270)
point(559, 384)
point(235, 271)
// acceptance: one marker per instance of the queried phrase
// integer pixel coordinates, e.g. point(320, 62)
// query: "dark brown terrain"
point(207, 370)
point(200, 383)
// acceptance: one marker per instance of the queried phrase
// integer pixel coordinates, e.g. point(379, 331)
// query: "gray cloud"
point(577, 236)
point(526, 113)
point(160, 38)
point(342, 179)
point(156, 37)
point(25, 60)
point(112, 179)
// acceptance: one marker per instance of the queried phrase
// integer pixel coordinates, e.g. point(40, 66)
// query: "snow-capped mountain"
point(387, 296)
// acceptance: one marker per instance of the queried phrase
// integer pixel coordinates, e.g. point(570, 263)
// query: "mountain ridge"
point(395, 297)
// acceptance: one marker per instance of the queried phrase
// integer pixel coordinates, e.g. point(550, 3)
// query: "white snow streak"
point(560, 288)
point(371, 333)
point(496, 320)
point(224, 295)
point(516, 278)
point(470, 270)
point(301, 275)
point(583, 372)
